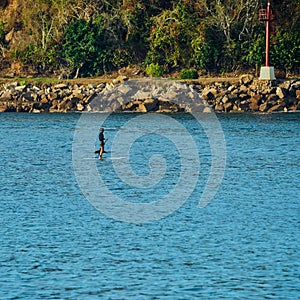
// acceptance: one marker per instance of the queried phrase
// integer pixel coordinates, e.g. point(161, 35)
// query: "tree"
point(164, 43)
point(174, 37)
point(2, 38)
point(286, 51)
point(96, 36)
point(254, 52)
point(234, 19)
point(134, 17)
point(201, 51)
point(82, 43)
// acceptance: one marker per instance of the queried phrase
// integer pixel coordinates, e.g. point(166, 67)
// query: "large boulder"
point(120, 79)
point(280, 92)
point(228, 106)
point(209, 93)
point(255, 102)
point(61, 86)
point(264, 107)
point(277, 107)
point(3, 107)
point(148, 105)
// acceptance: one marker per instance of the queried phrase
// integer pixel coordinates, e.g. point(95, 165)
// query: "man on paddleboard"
point(101, 140)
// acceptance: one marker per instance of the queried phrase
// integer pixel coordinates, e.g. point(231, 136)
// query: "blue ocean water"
point(243, 245)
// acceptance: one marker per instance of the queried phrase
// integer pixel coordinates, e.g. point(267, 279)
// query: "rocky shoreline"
point(152, 95)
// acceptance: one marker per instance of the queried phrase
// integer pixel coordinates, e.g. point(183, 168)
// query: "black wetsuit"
point(101, 139)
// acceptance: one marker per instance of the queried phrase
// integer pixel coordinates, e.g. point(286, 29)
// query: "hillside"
point(74, 38)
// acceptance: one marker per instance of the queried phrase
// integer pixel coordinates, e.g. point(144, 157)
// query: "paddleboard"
point(98, 151)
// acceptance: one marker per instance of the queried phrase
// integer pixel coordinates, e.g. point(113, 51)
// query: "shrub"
point(188, 74)
point(2, 32)
point(155, 70)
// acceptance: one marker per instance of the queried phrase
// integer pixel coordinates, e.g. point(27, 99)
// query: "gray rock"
point(264, 107)
point(61, 86)
point(277, 107)
point(228, 106)
point(225, 99)
point(120, 79)
point(246, 79)
point(20, 88)
point(280, 93)
point(148, 105)
point(272, 98)
point(80, 107)
point(209, 94)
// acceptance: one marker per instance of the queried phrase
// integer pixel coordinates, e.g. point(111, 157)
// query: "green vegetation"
point(93, 37)
point(82, 45)
point(188, 74)
point(155, 70)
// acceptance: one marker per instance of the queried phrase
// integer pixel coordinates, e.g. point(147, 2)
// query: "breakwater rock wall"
point(146, 95)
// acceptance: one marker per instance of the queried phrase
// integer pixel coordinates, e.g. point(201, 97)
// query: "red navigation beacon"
point(266, 15)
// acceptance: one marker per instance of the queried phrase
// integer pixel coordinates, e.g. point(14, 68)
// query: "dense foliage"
point(92, 37)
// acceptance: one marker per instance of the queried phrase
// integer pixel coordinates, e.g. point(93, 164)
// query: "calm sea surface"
point(243, 245)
